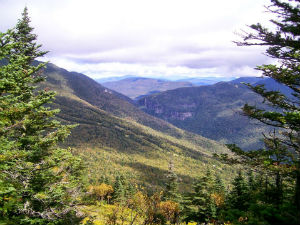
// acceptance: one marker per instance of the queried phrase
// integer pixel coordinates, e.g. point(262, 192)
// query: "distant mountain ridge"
point(139, 87)
point(213, 111)
point(135, 87)
point(113, 136)
point(206, 80)
point(110, 79)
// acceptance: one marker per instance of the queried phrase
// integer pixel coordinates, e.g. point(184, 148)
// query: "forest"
point(44, 180)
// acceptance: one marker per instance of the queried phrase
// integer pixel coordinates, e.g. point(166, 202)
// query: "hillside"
point(77, 85)
point(113, 138)
point(205, 80)
point(134, 87)
point(212, 111)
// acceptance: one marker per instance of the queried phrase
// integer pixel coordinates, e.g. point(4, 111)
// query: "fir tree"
point(171, 189)
point(281, 156)
point(239, 195)
point(130, 190)
point(39, 182)
point(119, 190)
point(251, 182)
point(206, 208)
point(219, 185)
point(283, 45)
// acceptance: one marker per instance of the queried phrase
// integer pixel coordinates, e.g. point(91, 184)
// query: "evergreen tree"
point(101, 179)
point(219, 194)
point(239, 195)
point(219, 185)
point(119, 190)
point(130, 190)
point(107, 180)
point(283, 45)
point(281, 157)
point(104, 179)
point(251, 182)
point(39, 182)
point(171, 191)
point(206, 208)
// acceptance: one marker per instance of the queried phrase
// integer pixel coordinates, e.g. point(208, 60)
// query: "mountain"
point(269, 83)
point(250, 80)
point(110, 79)
point(114, 137)
point(212, 111)
point(205, 80)
point(135, 87)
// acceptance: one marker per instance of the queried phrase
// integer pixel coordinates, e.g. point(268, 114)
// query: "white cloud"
point(143, 37)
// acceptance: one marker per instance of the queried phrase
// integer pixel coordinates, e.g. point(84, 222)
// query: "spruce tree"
point(171, 188)
point(219, 185)
point(39, 182)
point(130, 190)
point(119, 190)
point(284, 46)
point(206, 208)
point(251, 182)
point(239, 195)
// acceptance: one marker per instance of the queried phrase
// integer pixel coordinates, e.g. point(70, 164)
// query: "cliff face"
point(212, 111)
point(162, 111)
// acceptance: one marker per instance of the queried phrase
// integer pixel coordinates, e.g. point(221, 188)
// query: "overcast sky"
point(162, 38)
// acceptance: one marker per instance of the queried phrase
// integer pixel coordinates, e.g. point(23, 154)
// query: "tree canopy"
point(39, 181)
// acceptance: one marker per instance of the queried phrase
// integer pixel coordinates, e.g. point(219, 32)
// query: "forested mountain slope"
point(85, 88)
point(212, 111)
point(112, 138)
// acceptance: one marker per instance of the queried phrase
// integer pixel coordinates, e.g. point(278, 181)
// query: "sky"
point(168, 39)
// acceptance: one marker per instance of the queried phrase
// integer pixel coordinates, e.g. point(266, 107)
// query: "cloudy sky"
point(152, 38)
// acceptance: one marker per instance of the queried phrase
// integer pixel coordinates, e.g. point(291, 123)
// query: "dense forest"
point(43, 181)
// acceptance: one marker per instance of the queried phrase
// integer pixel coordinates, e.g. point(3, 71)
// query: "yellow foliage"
point(169, 209)
point(102, 191)
point(90, 188)
point(41, 195)
point(85, 220)
point(98, 222)
point(55, 169)
point(2, 157)
point(218, 198)
point(138, 201)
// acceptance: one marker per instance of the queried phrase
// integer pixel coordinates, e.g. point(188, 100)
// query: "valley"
point(113, 135)
point(161, 131)
point(213, 111)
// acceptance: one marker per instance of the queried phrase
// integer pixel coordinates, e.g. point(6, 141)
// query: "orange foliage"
point(218, 198)
point(170, 210)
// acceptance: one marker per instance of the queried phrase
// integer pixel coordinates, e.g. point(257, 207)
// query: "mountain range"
point(213, 111)
point(198, 81)
point(115, 137)
point(137, 87)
